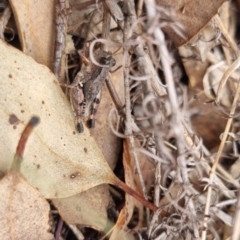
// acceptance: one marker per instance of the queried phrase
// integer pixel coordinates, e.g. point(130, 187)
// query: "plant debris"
point(152, 151)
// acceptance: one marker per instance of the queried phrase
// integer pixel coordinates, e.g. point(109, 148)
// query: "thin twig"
point(61, 28)
point(126, 64)
point(157, 184)
point(115, 97)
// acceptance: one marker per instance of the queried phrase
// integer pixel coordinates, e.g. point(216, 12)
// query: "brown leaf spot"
point(22, 111)
point(38, 166)
point(10, 75)
point(85, 150)
point(78, 209)
point(74, 175)
point(13, 119)
point(43, 102)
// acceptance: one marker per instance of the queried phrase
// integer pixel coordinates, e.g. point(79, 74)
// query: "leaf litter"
point(193, 200)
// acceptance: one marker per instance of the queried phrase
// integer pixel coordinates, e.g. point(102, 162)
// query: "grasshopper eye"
point(104, 61)
point(112, 62)
point(107, 61)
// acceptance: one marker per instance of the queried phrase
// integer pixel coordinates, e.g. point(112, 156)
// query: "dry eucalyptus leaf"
point(36, 28)
point(60, 162)
point(86, 209)
point(24, 212)
point(193, 15)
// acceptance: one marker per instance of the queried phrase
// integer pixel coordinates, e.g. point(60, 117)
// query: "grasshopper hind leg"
point(96, 102)
point(80, 127)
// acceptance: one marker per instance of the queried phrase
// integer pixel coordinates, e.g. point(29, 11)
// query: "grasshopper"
point(86, 88)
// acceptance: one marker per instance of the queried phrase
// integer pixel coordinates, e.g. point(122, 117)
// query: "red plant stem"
point(25, 134)
point(136, 195)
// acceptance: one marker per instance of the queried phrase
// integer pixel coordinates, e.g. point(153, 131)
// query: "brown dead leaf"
point(192, 14)
point(60, 163)
point(215, 126)
point(24, 212)
point(36, 28)
point(86, 209)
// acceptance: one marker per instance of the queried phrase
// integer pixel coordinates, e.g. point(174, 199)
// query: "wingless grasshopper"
point(85, 91)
